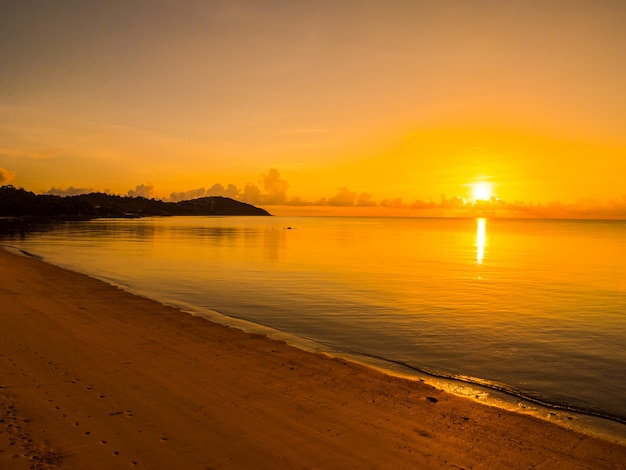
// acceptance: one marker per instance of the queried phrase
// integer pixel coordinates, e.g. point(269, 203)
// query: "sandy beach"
point(94, 377)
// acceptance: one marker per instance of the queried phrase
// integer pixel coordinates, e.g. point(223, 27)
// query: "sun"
point(481, 191)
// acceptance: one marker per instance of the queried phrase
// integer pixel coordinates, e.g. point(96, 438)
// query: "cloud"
point(344, 197)
point(394, 203)
point(274, 192)
point(70, 191)
point(217, 189)
point(365, 200)
point(423, 205)
point(275, 188)
point(142, 190)
point(230, 191)
point(454, 203)
point(186, 195)
point(6, 176)
point(251, 194)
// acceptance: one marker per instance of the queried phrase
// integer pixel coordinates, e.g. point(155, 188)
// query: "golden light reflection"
point(481, 238)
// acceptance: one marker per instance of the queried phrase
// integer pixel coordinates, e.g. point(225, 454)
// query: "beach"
point(94, 377)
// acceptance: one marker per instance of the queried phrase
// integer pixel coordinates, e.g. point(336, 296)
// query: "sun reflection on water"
point(481, 237)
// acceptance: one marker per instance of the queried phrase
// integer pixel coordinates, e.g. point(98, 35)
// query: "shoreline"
point(96, 377)
point(596, 425)
point(585, 422)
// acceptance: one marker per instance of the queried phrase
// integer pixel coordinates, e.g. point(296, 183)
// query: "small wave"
point(22, 252)
point(524, 396)
point(499, 387)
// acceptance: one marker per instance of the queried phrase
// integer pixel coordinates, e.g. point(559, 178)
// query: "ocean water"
point(536, 308)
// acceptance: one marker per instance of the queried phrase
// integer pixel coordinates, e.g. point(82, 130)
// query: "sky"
point(315, 104)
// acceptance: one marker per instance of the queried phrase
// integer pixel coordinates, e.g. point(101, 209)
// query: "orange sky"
point(401, 100)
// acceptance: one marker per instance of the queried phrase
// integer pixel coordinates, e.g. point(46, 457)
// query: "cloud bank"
point(272, 190)
point(70, 191)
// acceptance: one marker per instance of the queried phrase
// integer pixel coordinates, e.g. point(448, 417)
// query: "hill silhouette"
point(17, 202)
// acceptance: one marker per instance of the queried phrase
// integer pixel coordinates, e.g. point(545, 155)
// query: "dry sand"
point(94, 377)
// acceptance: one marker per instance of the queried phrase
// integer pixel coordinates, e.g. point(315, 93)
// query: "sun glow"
point(481, 191)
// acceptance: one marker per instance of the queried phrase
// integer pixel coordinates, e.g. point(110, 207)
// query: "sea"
point(525, 311)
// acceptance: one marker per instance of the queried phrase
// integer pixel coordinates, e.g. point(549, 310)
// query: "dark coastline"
point(29, 207)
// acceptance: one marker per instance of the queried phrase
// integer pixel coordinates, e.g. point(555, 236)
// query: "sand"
point(94, 377)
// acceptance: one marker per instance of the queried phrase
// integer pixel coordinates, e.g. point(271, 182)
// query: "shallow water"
point(535, 307)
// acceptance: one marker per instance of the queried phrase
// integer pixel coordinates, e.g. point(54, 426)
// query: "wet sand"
point(94, 377)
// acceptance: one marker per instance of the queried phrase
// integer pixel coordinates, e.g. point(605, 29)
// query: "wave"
point(20, 251)
point(496, 386)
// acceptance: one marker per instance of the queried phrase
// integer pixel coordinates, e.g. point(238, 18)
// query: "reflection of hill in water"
point(20, 203)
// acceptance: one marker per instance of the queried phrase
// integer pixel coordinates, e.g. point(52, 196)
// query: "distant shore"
point(18, 202)
point(94, 377)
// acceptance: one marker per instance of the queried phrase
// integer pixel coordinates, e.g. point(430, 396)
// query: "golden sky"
point(315, 101)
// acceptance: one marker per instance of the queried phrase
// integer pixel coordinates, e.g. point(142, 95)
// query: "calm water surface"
point(535, 307)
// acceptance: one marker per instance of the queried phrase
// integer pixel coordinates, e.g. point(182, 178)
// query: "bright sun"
point(481, 191)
